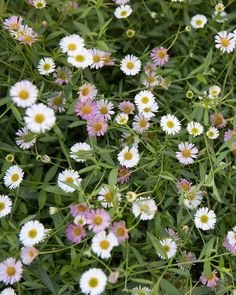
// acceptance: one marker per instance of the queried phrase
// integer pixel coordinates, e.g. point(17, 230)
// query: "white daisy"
point(198, 21)
point(24, 93)
point(169, 247)
point(28, 254)
point(231, 236)
point(128, 157)
point(214, 91)
point(8, 291)
point(212, 133)
point(144, 208)
point(122, 119)
point(188, 152)
point(98, 58)
point(194, 128)
point(39, 118)
point(39, 4)
point(81, 151)
point(140, 123)
point(68, 180)
point(170, 124)
point(24, 139)
point(79, 219)
point(93, 281)
point(105, 108)
point(225, 41)
point(46, 66)
point(151, 80)
point(205, 218)
point(13, 177)
point(120, 2)
point(5, 205)
point(107, 197)
point(141, 291)
point(219, 7)
point(72, 43)
point(148, 111)
point(123, 11)
point(103, 243)
point(192, 199)
point(220, 17)
point(130, 65)
point(144, 98)
point(32, 232)
point(81, 59)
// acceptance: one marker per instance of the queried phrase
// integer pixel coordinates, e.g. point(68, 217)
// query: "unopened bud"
point(131, 196)
point(9, 158)
point(113, 277)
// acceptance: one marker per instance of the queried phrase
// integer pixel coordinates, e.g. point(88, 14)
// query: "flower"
point(130, 65)
point(80, 220)
point(86, 109)
point(103, 243)
point(122, 119)
point(62, 75)
point(93, 281)
point(210, 280)
point(79, 209)
point(10, 271)
point(46, 66)
point(228, 246)
point(107, 197)
point(151, 80)
point(187, 260)
point(231, 237)
point(183, 185)
point(120, 231)
point(24, 139)
point(126, 107)
point(108, 61)
point(124, 174)
point(39, 4)
point(123, 11)
point(32, 232)
point(26, 35)
point(141, 291)
point(149, 68)
point(219, 7)
point(28, 254)
point(68, 180)
point(13, 177)
point(140, 123)
point(205, 218)
point(98, 58)
point(188, 152)
point(24, 94)
point(225, 41)
point(214, 91)
point(148, 111)
point(82, 58)
point(8, 291)
point(218, 120)
point(98, 220)
point(172, 234)
point(169, 247)
point(131, 196)
point(39, 118)
point(192, 199)
point(5, 205)
point(81, 151)
point(12, 23)
point(144, 98)
point(159, 56)
point(194, 128)
point(57, 102)
point(144, 208)
point(170, 124)
point(128, 157)
point(227, 136)
point(120, 2)
point(71, 44)
point(212, 133)
point(87, 90)
point(105, 108)
point(97, 126)
point(75, 233)
point(198, 21)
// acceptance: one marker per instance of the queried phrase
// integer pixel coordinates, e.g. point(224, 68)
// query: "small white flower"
point(130, 65)
point(169, 247)
point(13, 177)
point(225, 41)
point(170, 124)
point(68, 180)
point(28, 254)
point(122, 119)
point(151, 80)
point(128, 157)
point(214, 91)
point(188, 152)
point(107, 197)
point(148, 111)
point(105, 108)
point(219, 7)
point(81, 151)
point(141, 291)
point(5, 205)
point(123, 11)
point(192, 199)
point(39, 4)
point(205, 218)
point(81, 59)
point(46, 66)
point(8, 291)
point(194, 128)
point(231, 236)
point(72, 43)
point(144, 208)
point(103, 243)
point(79, 219)
point(24, 139)
point(212, 133)
point(140, 123)
point(93, 281)
point(24, 93)
point(198, 21)
point(144, 99)
point(32, 232)
point(98, 58)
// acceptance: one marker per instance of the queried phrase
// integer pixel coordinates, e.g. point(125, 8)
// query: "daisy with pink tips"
point(211, 280)
point(98, 220)
point(10, 271)
point(97, 126)
point(87, 91)
point(75, 233)
point(86, 109)
point(120, 231)
point(79, 209)
point(12, 23)
point(159, 56)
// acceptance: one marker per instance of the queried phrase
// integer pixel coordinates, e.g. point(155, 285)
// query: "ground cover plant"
point(118, 146)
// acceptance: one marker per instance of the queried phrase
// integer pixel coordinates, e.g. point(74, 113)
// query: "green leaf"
point(45, 279)
point(206, 251)
point(42, 199)
point(168, 287)
point(112, 178)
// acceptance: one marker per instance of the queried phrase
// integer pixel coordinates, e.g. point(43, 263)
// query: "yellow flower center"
point(97, 220)
point(199, 22)
point(15, 177)
point(57, 100)
point(2, 206)
point(142, 123)
point(123, 13)
point(224, 42)
point(14, 26)
point(191, 196)
point(127, 110)
point(144, 99)
point(81, 208)
point(130, 65)
point(39, 5)
point(211, 133)
point(77, 231)
point(194, 130)
point(166, 248)
point(32, 233)
point(46, 67)
point(86, 109)
point(27, 39)
point(72, 46)
point(150, 79)
point(184, 187)
point(39, 118)
point(97, 127)
point(204, 218)
point(93, 282)
point(144, 208)
point(96, 58)
point(120, 231)
point(108, 197)
point(11, 271)
point(161, 54)
point(211, 276)
point(85, 91)
point(170, 124)
point(186, 153)
point(104, 110)
point(31, 253)
point(104, 244)
point(128, 156)
point(69, 179)
point(79, 58)
point(23, 94)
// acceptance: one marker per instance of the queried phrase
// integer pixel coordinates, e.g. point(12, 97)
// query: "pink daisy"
point(10, 271)
point(26, 35)
point(86, 109)
point(97, 126)
point(98, 220)
point(183, 186)
point(79, 209)
point(120, 231)
point(211, 280)
point(123, 174)
point(228, 246)
point(87, 90)
point(218, 120)
point(12, 23)
point(159, 56)
point(126, 107)
point(75, 233)
point(28, 254)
